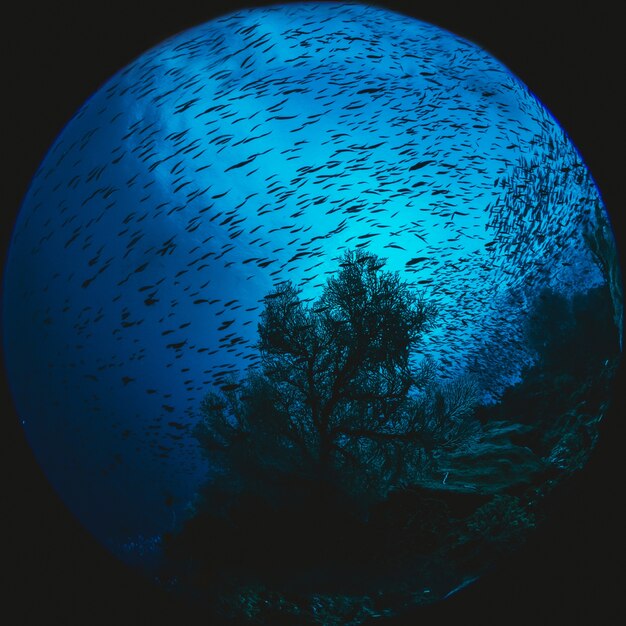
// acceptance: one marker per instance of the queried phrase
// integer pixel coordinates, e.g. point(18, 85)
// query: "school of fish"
point(251, 150)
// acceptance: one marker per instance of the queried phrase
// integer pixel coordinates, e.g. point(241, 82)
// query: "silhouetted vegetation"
point(336, 399)
point(342, 465)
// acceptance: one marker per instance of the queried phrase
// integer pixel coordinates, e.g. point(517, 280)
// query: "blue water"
point(247, 151)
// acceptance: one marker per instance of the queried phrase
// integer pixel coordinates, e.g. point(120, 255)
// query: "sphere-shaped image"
point(308, 312)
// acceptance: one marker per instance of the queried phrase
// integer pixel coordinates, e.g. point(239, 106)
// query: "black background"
point(572, 58)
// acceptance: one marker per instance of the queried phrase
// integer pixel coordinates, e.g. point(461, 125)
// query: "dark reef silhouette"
point(346, 481)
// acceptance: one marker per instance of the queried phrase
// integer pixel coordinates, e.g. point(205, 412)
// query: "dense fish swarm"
point(248, 151)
